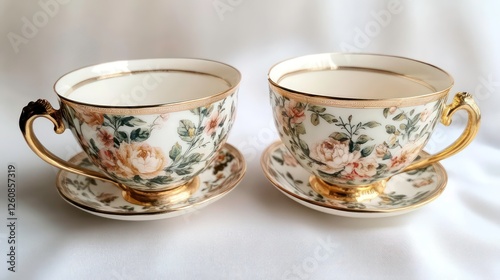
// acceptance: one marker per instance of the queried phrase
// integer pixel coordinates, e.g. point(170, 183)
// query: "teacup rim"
point(153, 108)
point(354, 102)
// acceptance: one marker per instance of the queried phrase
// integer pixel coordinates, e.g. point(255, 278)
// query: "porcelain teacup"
point(149, 125)
point(355, 120)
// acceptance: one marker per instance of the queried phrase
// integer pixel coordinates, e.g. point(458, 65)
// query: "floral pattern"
point(356, 148)
point(221, 176)
point(141, 150)
point(415, 187)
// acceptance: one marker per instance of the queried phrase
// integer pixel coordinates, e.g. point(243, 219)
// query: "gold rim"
point(150, 109)
point(265, 158)
point(235, 152)
point(345, 102)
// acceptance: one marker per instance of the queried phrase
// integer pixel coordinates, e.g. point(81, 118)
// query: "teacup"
point(150, 126)
point(355, 120)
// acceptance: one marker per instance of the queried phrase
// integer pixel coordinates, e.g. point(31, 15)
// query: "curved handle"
point(42, 108)
point(462, 100)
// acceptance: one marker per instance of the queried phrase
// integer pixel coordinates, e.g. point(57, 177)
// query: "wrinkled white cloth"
point(254, 232)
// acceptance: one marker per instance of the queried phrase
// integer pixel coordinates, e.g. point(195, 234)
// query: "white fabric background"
point(255, 232)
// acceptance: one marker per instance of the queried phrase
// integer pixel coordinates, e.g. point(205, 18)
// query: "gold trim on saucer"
point(265, 159)
point(194, 188)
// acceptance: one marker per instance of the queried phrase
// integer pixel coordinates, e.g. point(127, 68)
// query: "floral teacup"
point(355, 120)
point(150, 126)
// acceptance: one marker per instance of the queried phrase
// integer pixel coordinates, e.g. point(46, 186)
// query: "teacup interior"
point(359, 76)
point(355, 84)
point(147, 82)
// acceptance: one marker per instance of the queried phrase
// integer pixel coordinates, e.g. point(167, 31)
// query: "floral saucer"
point(403, 193)
point(105, 199)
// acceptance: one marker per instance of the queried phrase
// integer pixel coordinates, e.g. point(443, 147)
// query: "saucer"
point(403, 193)
point(105, 199)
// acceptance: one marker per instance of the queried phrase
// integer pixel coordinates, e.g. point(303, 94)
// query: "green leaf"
point(161, 180)
point(300, 129)
point(304, 147)
point(371, 124)
point(130, 121)
point(386, 112)
point(367, 151)
point(314, 119)
point(390, 129)
point(399, 117)
point(363, 139)
point(94, 146)
point(412, 111)
point(183, 171)
point(194, 158)
point(121, 136)
point(402, 126)
point(316, 109)
point(329, 118)
point(339, 136)
point(186, 130)
point(387, 155)
point(278, 160)
point(175, 151)
point(140, 134)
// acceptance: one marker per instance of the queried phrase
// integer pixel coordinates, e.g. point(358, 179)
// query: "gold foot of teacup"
point(157, 198)
point(347, 193)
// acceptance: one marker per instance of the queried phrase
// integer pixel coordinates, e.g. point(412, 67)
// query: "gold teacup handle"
point(42, 108)
point(462, 100)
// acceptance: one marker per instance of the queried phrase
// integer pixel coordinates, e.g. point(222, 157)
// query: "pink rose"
point(295, 111)
point(105, 137)
point(212, 123)
point(424, 115)
point(139, 159)
point(334, 154)
point(408, 153)
point(363, 168)
point(381, 150)
point(289, 160)
point(90, 118)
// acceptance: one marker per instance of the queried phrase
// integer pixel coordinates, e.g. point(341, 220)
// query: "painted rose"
point(381, 150)
point(408, 153)
point(90, 118)
point(334, 154)
point(105, 137)
point(422, 182)
point(140, 159)
point(289, 160)
point(392, 110)
point(107, 160)
point(295, 111)
point(363, 168)
point(160, 120)
point(212, 123)
point(425, 115)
